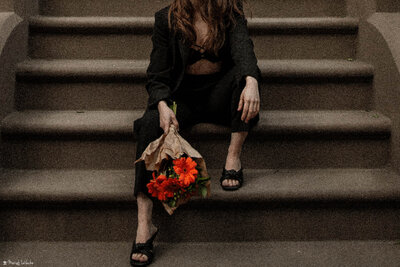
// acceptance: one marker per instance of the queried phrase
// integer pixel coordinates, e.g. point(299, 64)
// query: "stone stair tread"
point(109, 122)
point(267, 253)
point(270, 68)
point(127, 23)
point(261, 185)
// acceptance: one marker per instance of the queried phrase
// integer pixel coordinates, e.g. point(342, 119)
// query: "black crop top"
point(196, 55)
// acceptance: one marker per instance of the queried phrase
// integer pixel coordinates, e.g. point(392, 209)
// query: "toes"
point(230, 182)
point(139, 257)
point(143, 257)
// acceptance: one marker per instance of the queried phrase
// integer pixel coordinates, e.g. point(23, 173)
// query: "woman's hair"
point(218, 14)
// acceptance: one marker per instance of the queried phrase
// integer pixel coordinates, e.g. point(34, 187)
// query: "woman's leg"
point(147, 129)
point(221, 108)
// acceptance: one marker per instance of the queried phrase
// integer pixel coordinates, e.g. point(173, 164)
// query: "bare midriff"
point(204, 66)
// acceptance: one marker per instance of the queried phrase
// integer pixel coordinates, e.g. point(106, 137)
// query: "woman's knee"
point(150, 120)
point(148, 126)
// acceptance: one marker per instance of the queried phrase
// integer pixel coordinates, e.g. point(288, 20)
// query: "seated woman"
point(203, 59)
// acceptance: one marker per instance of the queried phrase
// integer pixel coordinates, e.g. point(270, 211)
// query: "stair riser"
point(203, 224)
point(388, 6)
point(138, 46)
point(6, 5)
point(289, 152)
point(274, 8)
point(283, 95)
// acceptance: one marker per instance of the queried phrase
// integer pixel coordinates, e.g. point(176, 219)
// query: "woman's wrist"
point(161, 103)
point(251, 80)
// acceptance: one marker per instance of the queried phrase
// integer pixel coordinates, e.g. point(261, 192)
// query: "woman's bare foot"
point(233, 157)
point(232, 162)
point(144, 232)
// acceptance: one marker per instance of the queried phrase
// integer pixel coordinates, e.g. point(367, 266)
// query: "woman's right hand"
point(167, 116)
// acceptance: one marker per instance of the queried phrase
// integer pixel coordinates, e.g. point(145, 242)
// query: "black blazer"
point(169, 56)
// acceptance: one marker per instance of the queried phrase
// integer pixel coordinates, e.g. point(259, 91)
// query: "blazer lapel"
point(184, 52)
point(183, 49)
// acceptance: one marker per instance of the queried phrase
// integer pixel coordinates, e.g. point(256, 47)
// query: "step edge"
point(388, 193)
point(121, 122)
point(146, 23)
point(127, 68)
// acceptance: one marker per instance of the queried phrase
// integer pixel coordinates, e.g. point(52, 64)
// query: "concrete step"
point(130, 37)
point(288, 253)
point(273, 204)
point(274, 8)
point(388, 6)
point(120, 84)
point(285, 139)
point(6, 6)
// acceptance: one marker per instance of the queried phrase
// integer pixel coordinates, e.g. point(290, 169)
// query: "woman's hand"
point(167, 116)
point(249, 99)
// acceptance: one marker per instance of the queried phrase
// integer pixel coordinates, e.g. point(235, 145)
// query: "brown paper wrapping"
point(172, 145)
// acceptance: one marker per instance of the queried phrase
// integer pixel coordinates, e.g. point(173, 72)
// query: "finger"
point(251, 111)
point(166, 127)
point(240, 102)
point(245, 110)
point(162, 125)
point(175, 122)
point(258, 106)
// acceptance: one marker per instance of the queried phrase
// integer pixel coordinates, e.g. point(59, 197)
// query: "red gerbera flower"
point(155, 188)
point(170, 186)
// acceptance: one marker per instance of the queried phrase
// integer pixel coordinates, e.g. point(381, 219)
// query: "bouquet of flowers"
point(179, 171)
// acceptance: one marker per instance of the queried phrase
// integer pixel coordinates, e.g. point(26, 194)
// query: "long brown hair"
point(218, 14)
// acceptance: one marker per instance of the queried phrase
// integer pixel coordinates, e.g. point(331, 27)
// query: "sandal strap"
point(232, 174)
point(143, 248)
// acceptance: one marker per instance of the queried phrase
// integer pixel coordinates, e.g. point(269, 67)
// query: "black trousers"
point(210, 98)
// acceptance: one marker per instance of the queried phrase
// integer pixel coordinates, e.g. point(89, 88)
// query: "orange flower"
point(186, 169)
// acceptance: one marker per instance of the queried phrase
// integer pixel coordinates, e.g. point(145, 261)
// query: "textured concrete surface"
point(274, 122)
point(280, 204)
point(267, 185)
point(323, 253)
point(114, 37)
point(275, 8)
point(379, 45)
point(285, 139)
point(324, 177)
point(119, 84)
point(6, 5)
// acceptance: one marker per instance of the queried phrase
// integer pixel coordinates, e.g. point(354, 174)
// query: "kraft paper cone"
point(172, 145)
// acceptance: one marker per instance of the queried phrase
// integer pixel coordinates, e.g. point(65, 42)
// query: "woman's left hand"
point(249, 99)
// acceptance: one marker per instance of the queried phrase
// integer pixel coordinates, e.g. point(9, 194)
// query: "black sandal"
point(143, 248)
point(233, 175)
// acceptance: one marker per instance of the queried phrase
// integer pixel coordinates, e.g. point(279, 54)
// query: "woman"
point(203, 59)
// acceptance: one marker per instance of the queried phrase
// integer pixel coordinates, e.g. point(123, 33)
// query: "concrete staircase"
point(319, 189)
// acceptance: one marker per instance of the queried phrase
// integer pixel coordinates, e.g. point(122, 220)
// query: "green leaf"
point(203, 191)
point(203, 178)
point(174, 106)
point(172, 203)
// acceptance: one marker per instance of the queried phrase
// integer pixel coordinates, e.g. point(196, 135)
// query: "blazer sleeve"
point(158, 73)
point(242, 49)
